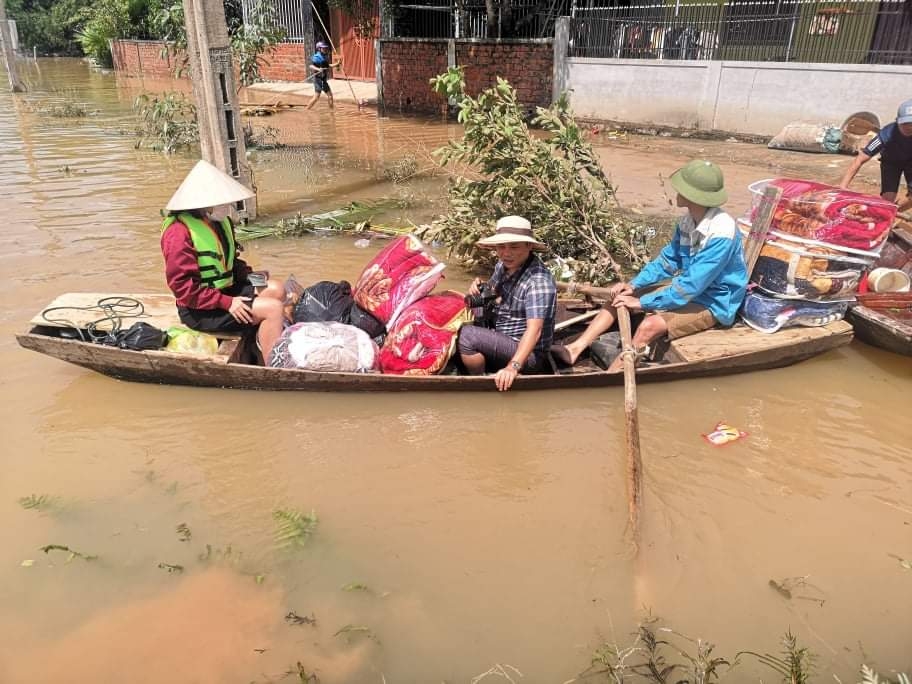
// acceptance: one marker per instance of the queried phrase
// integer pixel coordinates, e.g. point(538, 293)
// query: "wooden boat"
point(884, 320)
point(715, 352)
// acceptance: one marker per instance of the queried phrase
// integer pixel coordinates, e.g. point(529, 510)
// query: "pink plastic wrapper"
point(423, 338)
point(403, 272)
point(828, 214)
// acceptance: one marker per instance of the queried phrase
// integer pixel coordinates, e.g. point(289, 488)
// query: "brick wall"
point(407, 68)
point(144, 58)
point(285, 62)
point(408, 64)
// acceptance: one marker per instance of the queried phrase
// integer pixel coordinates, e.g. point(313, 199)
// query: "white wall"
point(742, 97)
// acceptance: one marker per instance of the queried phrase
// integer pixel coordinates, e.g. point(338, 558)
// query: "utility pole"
point(16, 84)
point(215, 91)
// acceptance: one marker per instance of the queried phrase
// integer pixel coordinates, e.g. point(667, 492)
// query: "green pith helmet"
point(701, 182)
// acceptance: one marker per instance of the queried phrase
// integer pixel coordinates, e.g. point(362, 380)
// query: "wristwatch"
point(515, 366)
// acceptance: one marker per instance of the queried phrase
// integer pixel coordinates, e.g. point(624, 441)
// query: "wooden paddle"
point(760, 226)
point(632, 425)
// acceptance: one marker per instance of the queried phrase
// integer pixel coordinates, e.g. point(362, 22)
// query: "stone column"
point(215, 91)
point(9, 56)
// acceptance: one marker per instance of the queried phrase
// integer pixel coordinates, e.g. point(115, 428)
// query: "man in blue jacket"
point(319, 69)
point(894, 145)
point(704, 262)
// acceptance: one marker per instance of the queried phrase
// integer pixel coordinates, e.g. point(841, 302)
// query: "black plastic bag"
point(138, 337)
point(324, 301)
point(366, 321)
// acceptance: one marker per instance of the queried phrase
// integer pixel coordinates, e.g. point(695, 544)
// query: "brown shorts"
point(689, 319)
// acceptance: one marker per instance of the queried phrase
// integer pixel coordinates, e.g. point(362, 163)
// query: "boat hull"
point(879, 330)
point(716, 352)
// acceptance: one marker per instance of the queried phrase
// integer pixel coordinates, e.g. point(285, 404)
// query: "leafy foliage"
point(554, 180)
point(249, 41)
point(870, 676)
point(167, 122)
point(794, 665)
point(111, 19)
point(293, 528)
point(50, 26)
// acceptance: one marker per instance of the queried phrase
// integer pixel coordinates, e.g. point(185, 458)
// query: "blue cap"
point(904, 115)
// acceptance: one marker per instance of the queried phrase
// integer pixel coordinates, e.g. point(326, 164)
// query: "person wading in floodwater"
point(320, 66)
point(213, 288)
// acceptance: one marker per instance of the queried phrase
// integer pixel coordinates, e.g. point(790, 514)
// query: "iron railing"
point(471, 19)
point(842, 31)
point(295, 16)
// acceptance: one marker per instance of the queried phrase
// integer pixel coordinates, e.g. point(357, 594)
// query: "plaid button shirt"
point(532, 295)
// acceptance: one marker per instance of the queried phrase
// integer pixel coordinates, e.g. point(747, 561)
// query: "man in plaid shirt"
point(524, 310)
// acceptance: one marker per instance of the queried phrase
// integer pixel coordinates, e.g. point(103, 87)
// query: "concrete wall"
point(407, 64)
point(741, 97)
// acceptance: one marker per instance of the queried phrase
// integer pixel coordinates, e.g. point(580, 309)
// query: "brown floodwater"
point(487, 529)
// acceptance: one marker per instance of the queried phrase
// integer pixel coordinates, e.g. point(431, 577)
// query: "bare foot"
point(564, 353)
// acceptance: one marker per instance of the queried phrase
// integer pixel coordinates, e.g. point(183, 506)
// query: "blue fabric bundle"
point(769, 314)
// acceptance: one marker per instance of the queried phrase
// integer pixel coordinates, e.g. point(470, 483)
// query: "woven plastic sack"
point(324, 346)
point(402, 273)
point(827, 214)
point(769, 314)
point(423, 338)
point(186, 341)
point(808, 137)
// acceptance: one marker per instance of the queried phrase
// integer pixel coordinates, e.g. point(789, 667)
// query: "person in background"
point(524, 298)
point(319, 67)
point(211, 284)
point(894, 145)
point(704, 260)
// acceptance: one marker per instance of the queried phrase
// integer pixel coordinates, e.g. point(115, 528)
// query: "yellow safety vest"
point(216, 268)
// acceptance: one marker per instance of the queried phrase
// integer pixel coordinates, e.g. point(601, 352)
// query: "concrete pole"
point(215, 91)
point(16, 84)
point(560, 77)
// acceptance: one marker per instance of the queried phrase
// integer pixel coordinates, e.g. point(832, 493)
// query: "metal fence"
point(472, 19)
point(842, 31)
point(295, 16)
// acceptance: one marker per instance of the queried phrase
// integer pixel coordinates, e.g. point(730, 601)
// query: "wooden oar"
point(576, 319)
point(760, 226)
point(632, 425)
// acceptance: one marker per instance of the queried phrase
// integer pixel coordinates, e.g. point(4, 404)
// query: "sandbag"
point(769, 314)
point(808, 137)
point(324, 301)
point(403, 272)
point(423, 338)
point(324, 346)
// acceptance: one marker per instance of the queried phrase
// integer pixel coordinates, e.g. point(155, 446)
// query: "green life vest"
point(216, 269)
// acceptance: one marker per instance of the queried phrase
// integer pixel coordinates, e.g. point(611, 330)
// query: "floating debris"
point(171, 568)
point(72, 553)
point(183, 532)
point(294, 619)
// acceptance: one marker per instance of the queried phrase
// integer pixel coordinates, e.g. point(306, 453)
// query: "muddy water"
point(488, 529)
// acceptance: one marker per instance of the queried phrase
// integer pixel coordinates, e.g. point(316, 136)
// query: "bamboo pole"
point(632, 430)
point(329, 38)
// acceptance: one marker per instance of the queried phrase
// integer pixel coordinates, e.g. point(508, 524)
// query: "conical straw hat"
point(205, 186)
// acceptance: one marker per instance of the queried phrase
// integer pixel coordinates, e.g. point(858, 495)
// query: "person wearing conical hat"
point(696, 282)
point(211, 284)
point(521, 297)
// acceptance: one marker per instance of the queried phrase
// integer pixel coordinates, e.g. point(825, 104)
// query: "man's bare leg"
point(313, 100)
point(652, 328)
point(329, 98)
point(269, 314)
point(569, 353)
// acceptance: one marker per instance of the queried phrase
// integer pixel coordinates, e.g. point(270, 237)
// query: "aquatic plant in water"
point(293, 528)
point(167, 122)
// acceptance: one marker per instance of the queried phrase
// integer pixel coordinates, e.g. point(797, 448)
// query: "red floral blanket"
point(833, 215)
point(400, 274)
point(423, 338)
